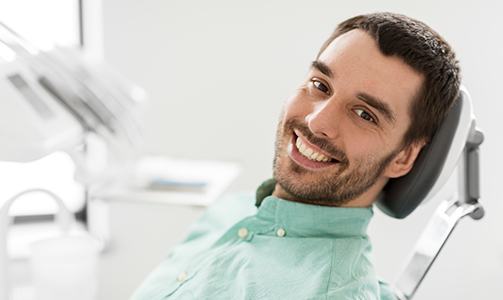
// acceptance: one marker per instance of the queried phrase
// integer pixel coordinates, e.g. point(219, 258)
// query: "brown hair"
point(424, 50)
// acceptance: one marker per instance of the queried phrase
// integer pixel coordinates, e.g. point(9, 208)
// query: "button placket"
point(243, 232)
point(280, 232)
point(182, 277)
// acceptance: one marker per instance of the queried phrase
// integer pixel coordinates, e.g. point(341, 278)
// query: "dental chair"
point(455, 144)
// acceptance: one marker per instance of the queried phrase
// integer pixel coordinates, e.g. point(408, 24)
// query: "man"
point(373, 97)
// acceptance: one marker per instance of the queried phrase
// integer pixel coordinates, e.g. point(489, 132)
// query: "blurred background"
point(217, 73)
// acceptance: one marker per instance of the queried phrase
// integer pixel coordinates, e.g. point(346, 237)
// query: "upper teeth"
point(310, 153)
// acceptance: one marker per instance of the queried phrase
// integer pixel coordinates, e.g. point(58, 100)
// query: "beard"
point(337, 184)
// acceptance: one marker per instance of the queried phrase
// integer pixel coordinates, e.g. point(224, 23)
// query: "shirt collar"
point(302, 219)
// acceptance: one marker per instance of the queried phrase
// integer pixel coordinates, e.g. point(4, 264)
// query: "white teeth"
point(310, 153)
point(302, 147)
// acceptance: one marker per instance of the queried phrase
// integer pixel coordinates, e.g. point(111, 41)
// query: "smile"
point(309, 152)
point(308, 155)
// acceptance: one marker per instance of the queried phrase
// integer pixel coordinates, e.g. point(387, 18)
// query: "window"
point(44, 23)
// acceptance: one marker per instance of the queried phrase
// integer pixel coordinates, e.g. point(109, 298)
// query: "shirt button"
point(243, 232)
point(280, 232)
point(182, 277)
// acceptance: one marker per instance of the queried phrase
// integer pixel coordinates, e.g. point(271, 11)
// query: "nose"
point(323, 120)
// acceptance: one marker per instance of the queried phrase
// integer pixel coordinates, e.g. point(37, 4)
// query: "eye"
point(318, 84)
point(365, 115)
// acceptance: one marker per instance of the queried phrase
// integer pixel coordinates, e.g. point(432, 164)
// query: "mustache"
point(322, 143)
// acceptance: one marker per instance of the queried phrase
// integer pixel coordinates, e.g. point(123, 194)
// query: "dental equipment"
point(56, 101)
point(455, 144)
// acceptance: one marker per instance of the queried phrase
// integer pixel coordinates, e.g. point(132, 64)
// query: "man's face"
point(341, 132)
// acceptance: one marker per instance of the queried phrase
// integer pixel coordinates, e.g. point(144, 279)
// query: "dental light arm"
point(56, 101)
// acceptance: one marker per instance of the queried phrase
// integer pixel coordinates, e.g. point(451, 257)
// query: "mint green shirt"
point(283, 250)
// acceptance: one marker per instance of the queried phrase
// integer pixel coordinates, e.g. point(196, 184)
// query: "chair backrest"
point(434, 165)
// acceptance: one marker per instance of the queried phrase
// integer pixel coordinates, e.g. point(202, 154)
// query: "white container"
point(65, 268)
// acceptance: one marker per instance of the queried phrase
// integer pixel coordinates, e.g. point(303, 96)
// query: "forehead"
point(358, 66)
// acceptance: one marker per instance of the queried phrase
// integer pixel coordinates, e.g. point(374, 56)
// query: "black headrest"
point(402, 195)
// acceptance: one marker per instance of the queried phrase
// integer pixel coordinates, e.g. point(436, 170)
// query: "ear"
point(404, 160)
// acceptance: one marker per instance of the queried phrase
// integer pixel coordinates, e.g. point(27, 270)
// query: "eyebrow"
point(322, 67)
point(378, 104)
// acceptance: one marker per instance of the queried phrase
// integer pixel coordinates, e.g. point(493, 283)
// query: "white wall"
point(218, 72)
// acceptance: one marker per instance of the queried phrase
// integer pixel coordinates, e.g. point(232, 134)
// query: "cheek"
point(360, 146)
